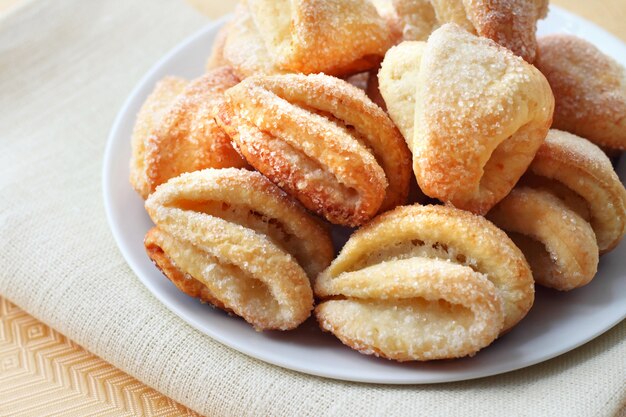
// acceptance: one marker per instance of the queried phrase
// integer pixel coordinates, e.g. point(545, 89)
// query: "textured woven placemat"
point(44, 373)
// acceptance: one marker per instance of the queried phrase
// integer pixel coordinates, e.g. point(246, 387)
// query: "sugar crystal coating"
point(481, 114)
point(323, 141)
point(424, 282)
point(589, 88)
point(240, 243)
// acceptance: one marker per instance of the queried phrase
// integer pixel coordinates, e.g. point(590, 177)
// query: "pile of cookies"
point(316, 114)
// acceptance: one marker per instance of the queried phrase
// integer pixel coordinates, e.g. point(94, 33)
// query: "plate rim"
point(107, 189)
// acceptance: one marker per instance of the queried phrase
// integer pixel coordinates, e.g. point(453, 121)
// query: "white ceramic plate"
point(557, 323)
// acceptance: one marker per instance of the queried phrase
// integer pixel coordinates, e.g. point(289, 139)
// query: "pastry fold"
point(175, 131)
point(424, 282)
point(232, 238)
point(581, 174)
point(558, 243)
point(321, 140)
point(480, 114)
point(413, 309)
point(589, 88)
point(569, 208)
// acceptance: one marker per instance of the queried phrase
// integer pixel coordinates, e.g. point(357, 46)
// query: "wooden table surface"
point(43, 365)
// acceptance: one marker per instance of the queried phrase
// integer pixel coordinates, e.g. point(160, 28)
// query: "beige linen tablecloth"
point(66, 67)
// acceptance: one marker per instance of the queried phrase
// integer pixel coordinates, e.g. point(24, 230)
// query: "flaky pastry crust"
point(558, 243)
point(323, 141)
point(251, 249)
point(403, 285)
point(589, 88)
point(481, 113)
point(584, 170)
point(176, 132)
point(337, 37)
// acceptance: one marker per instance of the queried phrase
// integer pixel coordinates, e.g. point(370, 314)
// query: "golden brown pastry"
point(321, 140)
point(558, 243)
point(589, 88)
point(580, 174)
point(175, 131)
point(337, 37)
point(510, 23)
point(424, 282)
point(480, 114)
point(232, 238)
point(568, 208)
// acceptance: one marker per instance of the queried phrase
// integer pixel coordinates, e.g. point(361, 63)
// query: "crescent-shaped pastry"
point(559, 244)
point(510, 23)
point(176, 132)
point(432, 241)
point(337, 37)
point(589, 88)
point(413, 309)
point(481, 113)
point(232, 238)
point(582, 175)
point(321, 140)
point(424, 282)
